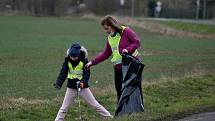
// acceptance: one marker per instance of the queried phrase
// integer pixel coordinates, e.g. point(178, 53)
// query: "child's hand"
point(56, 86)
point(82, 85)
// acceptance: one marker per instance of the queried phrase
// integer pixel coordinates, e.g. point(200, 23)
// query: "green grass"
point(163, 101)
point(175, 57)
point(32, 51)
point(191, 27)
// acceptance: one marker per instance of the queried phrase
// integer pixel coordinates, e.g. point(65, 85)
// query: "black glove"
point(56, 86)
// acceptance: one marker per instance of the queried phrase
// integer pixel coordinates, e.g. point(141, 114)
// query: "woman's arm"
point(105, 54)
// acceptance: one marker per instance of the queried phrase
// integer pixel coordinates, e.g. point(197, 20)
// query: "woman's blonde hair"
point(111, 21)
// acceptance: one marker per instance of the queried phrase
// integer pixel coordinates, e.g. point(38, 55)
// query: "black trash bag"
point(131, 99)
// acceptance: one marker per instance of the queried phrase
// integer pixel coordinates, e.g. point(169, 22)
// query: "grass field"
point(32, 51)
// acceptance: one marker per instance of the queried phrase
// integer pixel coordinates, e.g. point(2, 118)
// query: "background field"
point(32, 51)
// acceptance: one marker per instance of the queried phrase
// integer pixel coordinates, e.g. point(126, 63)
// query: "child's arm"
point(86, 74)
point(63, 74)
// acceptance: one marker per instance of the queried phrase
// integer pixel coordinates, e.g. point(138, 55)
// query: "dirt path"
point(207, 22)
point(208, 116)
point(163, 29)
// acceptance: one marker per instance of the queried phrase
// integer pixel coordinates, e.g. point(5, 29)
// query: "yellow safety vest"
point(77, 72)
point(114, 43)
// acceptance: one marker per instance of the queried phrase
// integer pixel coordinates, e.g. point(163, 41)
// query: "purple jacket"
point(129, 41)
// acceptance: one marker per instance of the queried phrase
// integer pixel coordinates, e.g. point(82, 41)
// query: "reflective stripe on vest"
point(77, 72)
point(135, 53)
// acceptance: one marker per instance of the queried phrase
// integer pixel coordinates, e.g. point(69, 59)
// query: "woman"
point(73, 70)
point(120, 40)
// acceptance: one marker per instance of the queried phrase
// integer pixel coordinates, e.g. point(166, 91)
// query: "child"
point(73, 70)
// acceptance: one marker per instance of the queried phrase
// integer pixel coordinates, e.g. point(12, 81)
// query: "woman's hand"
point(124, 51)
point(88, 65)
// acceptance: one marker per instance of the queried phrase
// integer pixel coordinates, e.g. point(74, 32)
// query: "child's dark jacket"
point(64, 71)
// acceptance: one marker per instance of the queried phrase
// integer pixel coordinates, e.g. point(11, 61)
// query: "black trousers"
point(118, 82)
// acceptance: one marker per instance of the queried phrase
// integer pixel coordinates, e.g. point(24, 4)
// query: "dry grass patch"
point(17, 102)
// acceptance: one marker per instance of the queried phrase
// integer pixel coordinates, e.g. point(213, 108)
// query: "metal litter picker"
point(78, 99)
